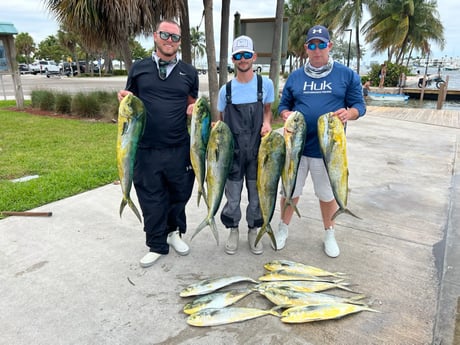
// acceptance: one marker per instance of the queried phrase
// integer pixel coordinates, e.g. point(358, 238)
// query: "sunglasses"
point(166, 35)
point(312, 46)
point(246, 55)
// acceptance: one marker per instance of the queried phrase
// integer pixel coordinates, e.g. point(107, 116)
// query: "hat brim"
point(242, 51)
point(318, 38)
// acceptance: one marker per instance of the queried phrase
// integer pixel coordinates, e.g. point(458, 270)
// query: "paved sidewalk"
point(74, 278)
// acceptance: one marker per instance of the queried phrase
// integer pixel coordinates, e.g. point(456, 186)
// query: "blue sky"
point(31, 16)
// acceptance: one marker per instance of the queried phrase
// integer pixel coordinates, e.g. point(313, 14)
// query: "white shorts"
point(319, 176)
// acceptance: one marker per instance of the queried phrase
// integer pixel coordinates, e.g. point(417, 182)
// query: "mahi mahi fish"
point(210, 285)
point(200, 129)
point(295, 131)
point(333, 145)
point(270, 162)
point(216, 300)
point(288, 297)
point(223, 316)
point(330, 311)
point(305, 286)
point(131, 124)
point(219, 157)
point(289, 275)
point(297, 267)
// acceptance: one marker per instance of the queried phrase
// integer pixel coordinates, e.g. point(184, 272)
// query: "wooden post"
point(422, 92)
point(441, 95)
point(447, 86)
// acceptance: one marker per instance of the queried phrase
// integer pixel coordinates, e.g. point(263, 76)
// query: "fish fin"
point(344, 210)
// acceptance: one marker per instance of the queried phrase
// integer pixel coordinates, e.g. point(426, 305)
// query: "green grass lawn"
point(70, 156)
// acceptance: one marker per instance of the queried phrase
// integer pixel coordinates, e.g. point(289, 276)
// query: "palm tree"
point(197, 40)
point(399, 26)
point(339, 15)
point(211, 56)
point(113, 22)
point(301, 14)
point(25, 45)
point(224, 28)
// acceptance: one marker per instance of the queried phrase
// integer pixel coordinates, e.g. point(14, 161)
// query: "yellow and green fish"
point(295, 132)
point(131, 124)
point(200, 128)
point(223, 316)
point(219, 157)
point(333, 146)
point(210, 285)
point(321, 312)
point(216, 300)
point(299, 268)
point(270, 162)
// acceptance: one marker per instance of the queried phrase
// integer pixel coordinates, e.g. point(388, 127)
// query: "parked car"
point(23, 68)
point(69, 68)
point(48, 67)
point(230, 68)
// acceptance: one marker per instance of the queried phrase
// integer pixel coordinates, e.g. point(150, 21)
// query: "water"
point(454, 84)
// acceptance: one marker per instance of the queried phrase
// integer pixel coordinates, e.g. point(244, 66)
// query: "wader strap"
point(228, 90)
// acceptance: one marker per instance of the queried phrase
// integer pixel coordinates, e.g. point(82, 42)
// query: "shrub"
point(63, 103)
point(86, 105)
point(392, 77)
point(43, 99)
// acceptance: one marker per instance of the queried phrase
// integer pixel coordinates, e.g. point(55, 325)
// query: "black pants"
point(163, 179)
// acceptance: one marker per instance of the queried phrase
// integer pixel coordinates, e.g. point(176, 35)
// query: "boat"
point(390, 97)
point(451, 67)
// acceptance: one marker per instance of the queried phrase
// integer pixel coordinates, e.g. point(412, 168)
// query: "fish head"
point(295, 123)
point(130, 108)
point(201, 108)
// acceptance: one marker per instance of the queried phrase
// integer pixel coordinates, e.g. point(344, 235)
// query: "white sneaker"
point(252, 235)
point(149, 259)
point(330, 245)
point(175, 241)
point(281, 236)
point(231, 246)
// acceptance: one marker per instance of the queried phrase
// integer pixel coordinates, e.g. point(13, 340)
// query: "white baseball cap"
point(242, 44)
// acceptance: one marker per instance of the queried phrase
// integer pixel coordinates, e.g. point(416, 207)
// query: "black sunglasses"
point(246, 55)
point(312, 46)
point(166, 35)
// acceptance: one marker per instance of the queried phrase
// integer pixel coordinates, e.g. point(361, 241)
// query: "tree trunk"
point(276, 55)
point(224, 26)
point(186, 45)
point(211, 56)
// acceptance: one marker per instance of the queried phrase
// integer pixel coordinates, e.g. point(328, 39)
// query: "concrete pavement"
point(74, 278)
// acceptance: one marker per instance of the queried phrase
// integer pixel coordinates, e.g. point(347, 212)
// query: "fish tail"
point(128, 201)
point(357, 300)
point(200, 227)
point(135, 210)
point(260, 234)
point(214, 230)
point(344, 210)
point(289, 202)
point(198, 199)
point(123, 203)
point(275, 310)
point(344, 286)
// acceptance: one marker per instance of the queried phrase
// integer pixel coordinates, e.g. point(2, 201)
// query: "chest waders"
point(245, 121)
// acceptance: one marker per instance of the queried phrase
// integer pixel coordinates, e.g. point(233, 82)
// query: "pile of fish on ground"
point(294, 288)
